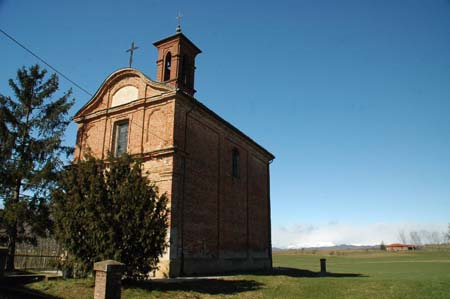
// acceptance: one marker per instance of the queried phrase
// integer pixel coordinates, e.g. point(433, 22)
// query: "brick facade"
point(218, 222)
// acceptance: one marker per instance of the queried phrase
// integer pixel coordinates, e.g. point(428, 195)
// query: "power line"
point(74, 83)
point(71, 81)
point(44, 62)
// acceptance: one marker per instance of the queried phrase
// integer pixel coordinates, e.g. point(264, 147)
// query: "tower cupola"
point(176, 61)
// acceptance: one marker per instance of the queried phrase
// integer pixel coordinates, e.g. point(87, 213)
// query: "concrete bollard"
point(108, 279)
point(323, 266)
point(3, 256)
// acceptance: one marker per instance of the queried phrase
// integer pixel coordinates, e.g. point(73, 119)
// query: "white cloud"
point(335, 233)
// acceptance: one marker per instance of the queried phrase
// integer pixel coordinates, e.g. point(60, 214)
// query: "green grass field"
point(352, 274)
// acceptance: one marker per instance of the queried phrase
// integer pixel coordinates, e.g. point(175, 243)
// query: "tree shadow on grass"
point(294, 272)
point(21, 291)
point(14, 287)
point(210, 286)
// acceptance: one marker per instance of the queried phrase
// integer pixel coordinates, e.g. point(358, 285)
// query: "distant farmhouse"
point(400, 247)
point(217, 178)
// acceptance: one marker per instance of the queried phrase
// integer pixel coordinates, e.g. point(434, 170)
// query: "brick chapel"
point(216, 177)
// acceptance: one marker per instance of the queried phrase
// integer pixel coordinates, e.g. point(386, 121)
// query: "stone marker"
point(323, 266)
point(108, 279)
point(3, 256)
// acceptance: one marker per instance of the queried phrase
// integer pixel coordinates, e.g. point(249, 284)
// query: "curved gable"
point(122, 87)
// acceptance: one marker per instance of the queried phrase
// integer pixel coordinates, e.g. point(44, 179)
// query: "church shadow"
point(209, 286)
point(294, 272)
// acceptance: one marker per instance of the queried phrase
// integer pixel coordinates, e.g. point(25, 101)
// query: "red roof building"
point(400, 247)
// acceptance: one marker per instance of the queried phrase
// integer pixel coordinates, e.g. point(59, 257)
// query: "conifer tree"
point(31, 131)
point(109, 210)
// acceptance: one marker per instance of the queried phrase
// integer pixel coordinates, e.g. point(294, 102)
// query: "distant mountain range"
point(334, 247)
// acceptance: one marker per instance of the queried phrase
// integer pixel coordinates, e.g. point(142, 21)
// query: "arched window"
point(235, 163)
point(167, 66)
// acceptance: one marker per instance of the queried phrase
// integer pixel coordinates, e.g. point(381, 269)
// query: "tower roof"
point(180, 36)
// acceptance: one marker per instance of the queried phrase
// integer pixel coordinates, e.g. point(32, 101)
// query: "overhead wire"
point(68, 79)
point(44, 62)
point(73, 82)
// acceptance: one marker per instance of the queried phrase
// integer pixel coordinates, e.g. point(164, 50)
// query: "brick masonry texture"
point(218, 222)
point(108, 279)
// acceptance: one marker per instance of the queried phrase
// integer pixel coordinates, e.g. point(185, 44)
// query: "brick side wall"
point(258, 208)
point(234, 203)
point(200, 229)
point(225, 220)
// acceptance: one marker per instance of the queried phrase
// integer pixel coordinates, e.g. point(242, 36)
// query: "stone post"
point(3, 256)
point(108, 279)
point(323, 266)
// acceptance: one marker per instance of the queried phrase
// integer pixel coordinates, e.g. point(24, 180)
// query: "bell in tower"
point(176, 61)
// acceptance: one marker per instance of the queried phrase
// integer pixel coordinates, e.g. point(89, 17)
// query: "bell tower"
point(176, 61)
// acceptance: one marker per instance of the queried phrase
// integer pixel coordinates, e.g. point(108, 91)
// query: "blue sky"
point(352, 97)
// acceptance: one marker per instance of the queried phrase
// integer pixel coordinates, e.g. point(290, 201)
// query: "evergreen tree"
point(31, 130)
point(108, 210)
point(382, 246)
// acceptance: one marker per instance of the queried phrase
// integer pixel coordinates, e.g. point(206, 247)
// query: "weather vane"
point(131, 50)
point(179, 16)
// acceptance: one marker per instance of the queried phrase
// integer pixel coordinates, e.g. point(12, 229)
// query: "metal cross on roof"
point(131, 50)
point(179, 16)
